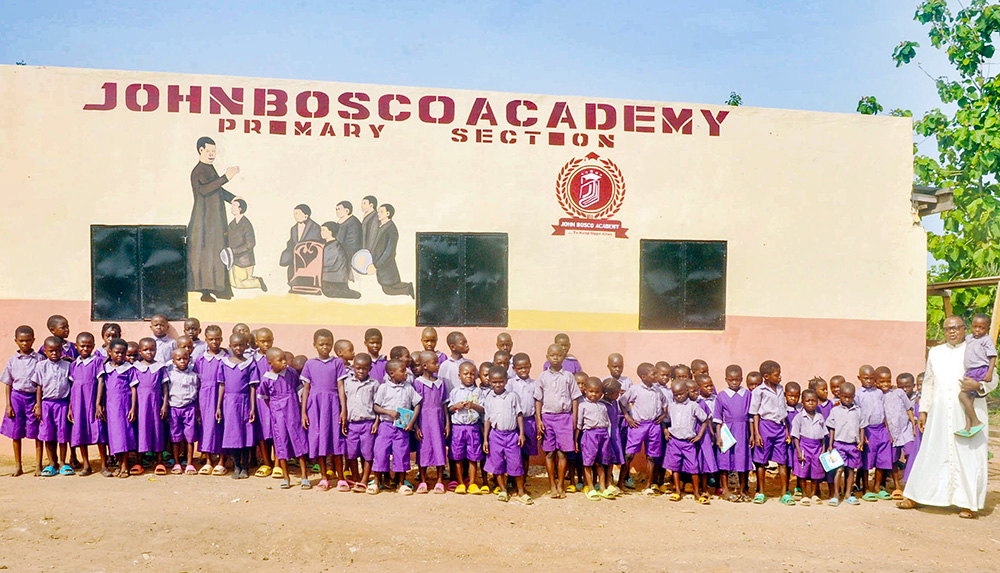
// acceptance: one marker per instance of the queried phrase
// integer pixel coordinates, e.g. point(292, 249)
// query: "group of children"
point(360, 416)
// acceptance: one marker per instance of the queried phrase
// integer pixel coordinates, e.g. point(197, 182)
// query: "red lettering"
point(110, 98)
point(353, 101)
point(714, 122)
point(508, 136)
point(303, 128)
point(580, 139)
point(531, 136)
point(385, 111)
point(634, 113)
point(481, 110)
point(276, 127)
point(277, 100)
point(610, 116)
point(174, 99)
point(218, 99)
point(322, 104)
point(460, 135)
point(327, 130)
point(557, 138)
point(132, 97)
point(226, 124)
point(512, 116)
point(673, 122)
point(606, 140)
point(561, 114)
point(376, 130)
point(484, 136)
point(447, 109)
point(352, 129)
point(251, 126)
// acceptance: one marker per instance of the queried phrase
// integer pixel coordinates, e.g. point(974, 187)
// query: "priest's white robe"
point(949, 470)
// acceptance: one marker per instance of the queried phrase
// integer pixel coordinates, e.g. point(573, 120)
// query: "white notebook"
point(728, 440)
point(831, 460)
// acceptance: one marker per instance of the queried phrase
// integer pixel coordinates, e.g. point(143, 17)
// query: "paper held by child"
point(728, 440)
point(831, 460)
point(404, 418)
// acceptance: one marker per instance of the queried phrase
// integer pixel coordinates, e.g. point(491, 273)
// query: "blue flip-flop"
point(49, 471)
point(66, 471)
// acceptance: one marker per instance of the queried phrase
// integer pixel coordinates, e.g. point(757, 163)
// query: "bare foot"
point(17, 472)
point(907, 504)
point(554, 494)
point(38, 472)
point(86, 471)
point(967, 514)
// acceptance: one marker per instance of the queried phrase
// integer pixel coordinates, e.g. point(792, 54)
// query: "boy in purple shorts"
point(182, 399)
point(52, 378)
point(616, 369)
point(569, 363)
point(869, 399)
point(792, 393)
point(555, 416)
point(59, 327)
point(643, 410)
point(808, 431)
point(504, 424)
point(164, 344)
point(373, 342)
point(980, 361)
point(522, 384)
point(395, 394)
point(878, 452)
point(688, 421)
point(616, 449)
point(899, 421)
point(770, 413)
point(20, 420)
point(360, 424)
point(466, 437)
point(448, 373)
point(593, 434)
point(847, 435)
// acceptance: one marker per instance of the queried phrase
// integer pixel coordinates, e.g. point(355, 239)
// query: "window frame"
point(647, 323)
point(464, 320)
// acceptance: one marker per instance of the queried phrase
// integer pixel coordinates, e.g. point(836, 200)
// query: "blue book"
point(404, 417)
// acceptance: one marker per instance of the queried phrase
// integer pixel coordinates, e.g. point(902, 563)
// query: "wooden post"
point(995, 319)
point(946, 298)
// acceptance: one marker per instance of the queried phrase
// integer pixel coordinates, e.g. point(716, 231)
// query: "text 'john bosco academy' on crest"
point(590, 190)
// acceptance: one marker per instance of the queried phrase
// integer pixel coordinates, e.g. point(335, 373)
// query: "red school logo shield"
point(590, 190)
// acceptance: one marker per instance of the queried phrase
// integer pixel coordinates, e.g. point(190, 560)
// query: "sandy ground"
point(204, 523)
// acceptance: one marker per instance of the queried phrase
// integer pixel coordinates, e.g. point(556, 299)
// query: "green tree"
point(735, 99)
point(967, 158)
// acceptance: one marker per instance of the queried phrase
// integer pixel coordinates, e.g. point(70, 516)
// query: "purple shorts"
point(811, 467)
point(394, 442)
point(466, 443)
point(878, 449)
point(648, 435)
point(54, 426)
point(775, 448)
point(183, 423)
point(595, 446)
point(977, 374)
point(530, 447)
point(558, 432)
point(505, 454)
point(850, 453)
point(360, 440)
point(680, 456)
point(24, 424)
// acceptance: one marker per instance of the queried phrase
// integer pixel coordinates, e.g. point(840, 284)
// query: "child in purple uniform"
point(616, 449)
point(391, 440)
point(192, 329)
point(555, 416)
point(522, 385)
point(448, 373)
point(323, 395)
point(373, 342)
point(263, 428)
point(878, 440)
point(116, 404)
point(504, 424)
point(429, 342)
point(644, 410)
point(435, 423)
point(182, 382)
point(767, 406)
point(847, 435)
point(732, 410)
point(792, 393)
point(899, 422)
point(52, 377)
point(164, 344)
point(616, 367)
point(20, 419)
point(593, 436)
point(808, 430)
point(86, 429)
point(708, 464)
point(237, 405)
point(361, 423)
point(279, 386)
point(569, 363)
point(59, 327)
point(869, 399)
point(151, 396)
point(207, 366)
point(907, 384)
point(980, 361)
point(109, 332)
point(687, 427)
point(466, 438)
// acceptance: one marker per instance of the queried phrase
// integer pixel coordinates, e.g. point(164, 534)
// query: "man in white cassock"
point(949, 470)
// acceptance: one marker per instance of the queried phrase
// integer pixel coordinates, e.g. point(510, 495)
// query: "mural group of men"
point(320, 258)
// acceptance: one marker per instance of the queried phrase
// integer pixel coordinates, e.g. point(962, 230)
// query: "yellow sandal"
point(263, 472)
point(277, 472)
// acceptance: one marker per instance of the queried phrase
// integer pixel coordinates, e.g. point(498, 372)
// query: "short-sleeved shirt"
point(392, 396)
point(502, 410)
point(164, 348)
point(557, 390)
point(871, 404)
point(19, 372)
point(769, 403)
point(182, 386)
point(591, 415)
point(53, 377)
point(360, 398)
point(846, 423)
point(806, 426)
point(645, 403)
point(448, 373)
point(978, 351)
point(200, 346)
point(378, 368)
point(897, 406)
point(684, 418)
point(525, 390)
point(323, 375)
point(280, 384)
point(460, 394)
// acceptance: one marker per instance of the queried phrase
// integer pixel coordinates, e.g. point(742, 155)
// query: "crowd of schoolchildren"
point(359, 416)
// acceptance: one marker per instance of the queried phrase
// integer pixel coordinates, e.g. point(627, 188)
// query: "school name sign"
point(360, 114)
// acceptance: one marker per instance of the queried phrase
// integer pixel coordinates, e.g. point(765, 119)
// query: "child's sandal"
point(190, 470)
point(704, 500)
point(177, 470)
point(323, 484)
point(343, 486)
point(358, 488)
point(206, 470)
point(675, 497)
point(372, 489)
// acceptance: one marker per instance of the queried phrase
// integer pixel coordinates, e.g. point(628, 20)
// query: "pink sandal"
point(342, 485)
point(190, 470)
point(422, 488)
point(452, 485)
point(439, 488)
point(324, 485)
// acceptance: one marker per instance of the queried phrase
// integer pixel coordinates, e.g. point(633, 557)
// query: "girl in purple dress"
point(707, 459)
point(434, 425)
point(207, 366)
point(116, 405)
point(87, 430)
point(236, 408)
point(151, 399)
point(279, 388)
point(262, 425)
point(109, 332)
point(323, 415)
point(732, 410)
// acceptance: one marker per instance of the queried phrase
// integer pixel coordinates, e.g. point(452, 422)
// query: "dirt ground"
point(204, 523)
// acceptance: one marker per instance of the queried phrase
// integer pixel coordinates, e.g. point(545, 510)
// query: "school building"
point(660, 230)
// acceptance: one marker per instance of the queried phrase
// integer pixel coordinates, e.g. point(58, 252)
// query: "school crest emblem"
point(590, 190)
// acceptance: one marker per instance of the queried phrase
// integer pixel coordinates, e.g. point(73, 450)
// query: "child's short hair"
point(213, 328)
point(497, 371)
point(397, 352)
point(735, 370)
point(613, 386)
point(84, 336)
point(644, 369)
point(501, 354)
point(520, 357)
point(680, 368)
point(904, 376)
point(393, 365)
point(769, 367)
point(792, 387)
point(331, 226)
point(321, 333)
point(982, 316)
point(108, 326)
point(810, 393)
point(117, 342)
point(453, 337)
point(373, 332)
point(24, 329)
point(816, 383)
point(54, 320)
